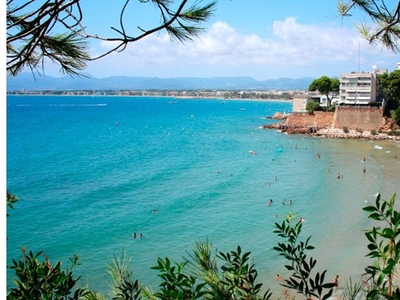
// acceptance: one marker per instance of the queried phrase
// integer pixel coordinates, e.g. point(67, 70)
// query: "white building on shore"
point(360, 88)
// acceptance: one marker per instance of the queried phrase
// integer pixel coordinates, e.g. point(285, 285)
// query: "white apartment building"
point(360, 88)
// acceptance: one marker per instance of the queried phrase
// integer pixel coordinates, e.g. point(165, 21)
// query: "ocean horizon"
point(88, 172)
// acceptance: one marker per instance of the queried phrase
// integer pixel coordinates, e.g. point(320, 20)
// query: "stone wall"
point(357, 118)
point(324, 119)
point(361, 117)
point(318, 120)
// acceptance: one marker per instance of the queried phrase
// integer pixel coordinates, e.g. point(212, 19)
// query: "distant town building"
point(360, 88)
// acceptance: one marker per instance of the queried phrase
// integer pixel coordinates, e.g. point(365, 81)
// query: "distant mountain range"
point(26, 81)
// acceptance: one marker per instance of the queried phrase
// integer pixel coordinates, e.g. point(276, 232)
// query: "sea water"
point(90, 171)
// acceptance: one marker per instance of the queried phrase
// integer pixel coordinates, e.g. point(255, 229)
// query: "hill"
point(26, 81)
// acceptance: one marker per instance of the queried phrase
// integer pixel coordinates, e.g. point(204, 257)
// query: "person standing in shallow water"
point(336, 281)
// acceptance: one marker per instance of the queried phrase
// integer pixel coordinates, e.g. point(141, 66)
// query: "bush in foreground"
point(200, 277)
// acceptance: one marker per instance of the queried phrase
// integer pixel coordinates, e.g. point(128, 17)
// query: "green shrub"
point(397, 116)
point(332, 108)
point(312, 106)
point(345, 129)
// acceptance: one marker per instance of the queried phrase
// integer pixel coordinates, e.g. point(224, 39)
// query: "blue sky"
point(257, 38)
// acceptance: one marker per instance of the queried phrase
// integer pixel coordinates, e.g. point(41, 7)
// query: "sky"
point(262, 39)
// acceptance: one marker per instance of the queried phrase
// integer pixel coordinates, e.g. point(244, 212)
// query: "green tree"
point(384, 14)
point(391, 86)
point(32, 26)
point(325, 86)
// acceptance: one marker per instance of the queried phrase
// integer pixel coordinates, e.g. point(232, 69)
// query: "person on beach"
point(278, 277)
point(364, 169)
point(338, 176)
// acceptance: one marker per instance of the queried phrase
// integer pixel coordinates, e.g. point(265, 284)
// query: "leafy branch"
point(294, 250)
point(387, 29)
point(31, 27)
point(384, 247)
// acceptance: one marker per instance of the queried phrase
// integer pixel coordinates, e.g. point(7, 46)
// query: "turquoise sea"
point(88, 172)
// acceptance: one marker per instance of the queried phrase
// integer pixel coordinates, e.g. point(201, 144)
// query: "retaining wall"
point(362, 118)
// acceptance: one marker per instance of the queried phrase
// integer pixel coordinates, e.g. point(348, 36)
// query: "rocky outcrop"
point(279, 116)
point(321, 124)
point(335, 133)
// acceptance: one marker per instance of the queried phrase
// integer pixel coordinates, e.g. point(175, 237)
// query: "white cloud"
point(222, 50)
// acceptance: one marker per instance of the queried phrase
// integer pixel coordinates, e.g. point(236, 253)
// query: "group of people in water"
point(135, 235)
point(140, 235)
point(283, 202)
point(270, 201)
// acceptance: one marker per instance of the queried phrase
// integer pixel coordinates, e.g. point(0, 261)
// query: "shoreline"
point(158, 96)
point(330, 132)
point(333, 133)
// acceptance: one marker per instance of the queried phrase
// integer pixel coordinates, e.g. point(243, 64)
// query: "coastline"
point(335, 133)
point(157, 96)
point(328, 131)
